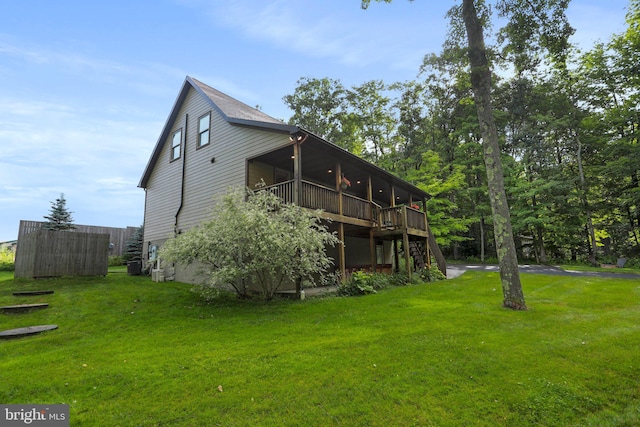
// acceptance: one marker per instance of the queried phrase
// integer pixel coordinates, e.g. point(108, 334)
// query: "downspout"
point(184, 161)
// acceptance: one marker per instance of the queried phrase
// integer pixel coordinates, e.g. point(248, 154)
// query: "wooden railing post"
point(339, 186)
point(403, 215)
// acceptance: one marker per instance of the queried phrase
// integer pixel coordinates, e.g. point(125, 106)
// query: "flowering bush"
point(255, 241)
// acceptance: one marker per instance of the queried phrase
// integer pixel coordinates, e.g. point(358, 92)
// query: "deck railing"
point(283, 190)
point(401, 216)
point(315, 196)
point(356, 207)
point(416, 219)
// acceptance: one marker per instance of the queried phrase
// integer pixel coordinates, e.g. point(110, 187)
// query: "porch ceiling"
point(320, 159)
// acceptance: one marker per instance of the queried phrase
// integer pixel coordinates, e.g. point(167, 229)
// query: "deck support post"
point(407, 254)
point(372, 241)
point(339, 186)
point(341, 256)
point(372, 250)
point(395, 255)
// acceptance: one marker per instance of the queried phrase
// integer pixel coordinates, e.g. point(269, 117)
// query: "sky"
point(86, 86)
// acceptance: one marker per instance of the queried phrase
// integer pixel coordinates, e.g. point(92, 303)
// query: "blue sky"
point(86, 86)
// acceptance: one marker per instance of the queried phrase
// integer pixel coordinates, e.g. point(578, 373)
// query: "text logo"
point(34, 415)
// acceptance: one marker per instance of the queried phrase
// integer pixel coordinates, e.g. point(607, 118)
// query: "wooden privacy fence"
point(117, 236)
point(45, 253)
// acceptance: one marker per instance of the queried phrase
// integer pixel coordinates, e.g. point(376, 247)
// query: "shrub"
point(255, 241)
point(116, 261)
point(360, 283)
point(633, 263)
point(365, 282)
point(431, 274)
point(7, 260)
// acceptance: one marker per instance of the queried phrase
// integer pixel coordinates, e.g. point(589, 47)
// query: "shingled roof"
point(231, 110)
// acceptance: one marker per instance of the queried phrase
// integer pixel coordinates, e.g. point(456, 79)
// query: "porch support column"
point(297, 173)
point(427, 247)
point(372, 241)
point(395, 255)
point(427, 253)
point(341, 256)
point(372, 249)
point(405, 243)
point(339, 186)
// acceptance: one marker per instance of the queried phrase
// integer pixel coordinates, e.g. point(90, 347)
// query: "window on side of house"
point(176, 144)
point(204, 123)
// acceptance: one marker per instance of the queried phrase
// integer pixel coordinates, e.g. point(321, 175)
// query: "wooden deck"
point(349, 209)
point(386, 223)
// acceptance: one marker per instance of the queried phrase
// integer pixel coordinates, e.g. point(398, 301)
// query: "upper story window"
point(203, 130)
point(176, 144)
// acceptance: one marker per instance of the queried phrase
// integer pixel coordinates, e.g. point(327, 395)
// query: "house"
point(9, 245)
point(211, 142)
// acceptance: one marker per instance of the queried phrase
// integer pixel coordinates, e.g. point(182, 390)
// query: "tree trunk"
point(585, 204)
point(543, 252)
point(482, 239)
point(481, 83)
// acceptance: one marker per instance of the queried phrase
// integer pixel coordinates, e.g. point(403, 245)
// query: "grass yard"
point(130, 352)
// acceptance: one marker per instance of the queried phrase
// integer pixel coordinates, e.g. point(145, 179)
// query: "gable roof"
point(231, 110)
point(239, 114)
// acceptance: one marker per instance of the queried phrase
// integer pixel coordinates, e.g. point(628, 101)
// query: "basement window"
point(203, 130)
point(176, 140)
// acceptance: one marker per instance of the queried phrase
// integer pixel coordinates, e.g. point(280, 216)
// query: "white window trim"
point(207, 130)
point(178, 145)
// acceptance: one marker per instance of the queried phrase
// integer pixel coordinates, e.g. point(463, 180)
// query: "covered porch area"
point(373, 212)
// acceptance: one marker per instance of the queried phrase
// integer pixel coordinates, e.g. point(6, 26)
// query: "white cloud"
point(356, 38)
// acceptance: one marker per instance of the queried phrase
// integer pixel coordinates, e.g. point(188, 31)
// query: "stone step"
point(31, 293)
point(23, 332)
point(23, 308)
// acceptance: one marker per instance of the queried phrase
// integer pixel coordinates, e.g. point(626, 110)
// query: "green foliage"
point(431, 274)
point(255, 241)
point(60, 218)
point(117, 260)
point(365, 282)
point(568, 128)
point(361, 283)
point(7, 260)
point(633, 263)
point(318, 106)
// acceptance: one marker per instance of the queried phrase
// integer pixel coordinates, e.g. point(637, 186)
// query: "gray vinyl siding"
point(230, 146)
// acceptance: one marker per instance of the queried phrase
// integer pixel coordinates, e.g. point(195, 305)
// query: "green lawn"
point(130, 352)
point(582, 267)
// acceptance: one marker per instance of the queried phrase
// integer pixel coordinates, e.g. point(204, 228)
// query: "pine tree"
point(60, 218)
point(133, 251)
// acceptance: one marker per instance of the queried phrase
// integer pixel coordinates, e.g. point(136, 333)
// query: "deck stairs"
point(417, 252)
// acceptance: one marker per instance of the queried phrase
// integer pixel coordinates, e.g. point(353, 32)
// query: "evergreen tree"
point(133, 250)
point(60, 218)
